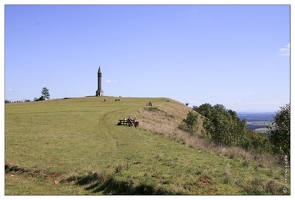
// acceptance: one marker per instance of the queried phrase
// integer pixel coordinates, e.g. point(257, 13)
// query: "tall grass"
point(167, 120)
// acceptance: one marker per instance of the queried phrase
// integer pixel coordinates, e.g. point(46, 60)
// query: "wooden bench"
point(126, 122)
point(123, 122)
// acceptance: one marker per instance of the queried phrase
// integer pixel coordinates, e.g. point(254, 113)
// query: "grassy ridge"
point(79, 138)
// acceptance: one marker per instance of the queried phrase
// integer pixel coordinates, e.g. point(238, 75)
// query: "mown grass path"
point(75, 137)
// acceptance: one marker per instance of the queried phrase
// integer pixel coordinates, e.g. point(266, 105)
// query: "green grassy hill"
point(74, 146)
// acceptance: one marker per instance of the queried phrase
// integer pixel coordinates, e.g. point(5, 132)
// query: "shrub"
point(222, 125)
point(280, 131)
point(40, 99)
point(191, 122)
point(255, 141)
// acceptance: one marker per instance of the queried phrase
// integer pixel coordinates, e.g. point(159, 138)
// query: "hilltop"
point(74, 146)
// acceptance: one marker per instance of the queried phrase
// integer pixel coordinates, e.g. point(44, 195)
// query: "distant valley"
point(257, 121)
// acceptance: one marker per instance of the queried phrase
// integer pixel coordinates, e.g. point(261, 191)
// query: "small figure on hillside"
point(130, 121)
point(149, 104)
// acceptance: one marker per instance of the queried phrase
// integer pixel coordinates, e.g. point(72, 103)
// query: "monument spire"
point(99, 91)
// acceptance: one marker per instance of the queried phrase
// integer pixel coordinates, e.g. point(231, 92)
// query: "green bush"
point(280, 131)
point(221, 125)
point(191, 122)
point(255, 141)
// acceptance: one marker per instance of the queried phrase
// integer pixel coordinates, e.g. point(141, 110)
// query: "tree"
point(222, 126)
point(280, 130)
point(255, 141)
point(191, 121)
point(45, 93)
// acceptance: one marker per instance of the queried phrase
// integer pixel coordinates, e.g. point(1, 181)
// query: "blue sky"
point(235, 55)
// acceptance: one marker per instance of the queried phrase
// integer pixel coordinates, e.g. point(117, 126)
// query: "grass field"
point(75, 147)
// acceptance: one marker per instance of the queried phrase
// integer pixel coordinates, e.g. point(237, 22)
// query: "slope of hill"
point(74, 146)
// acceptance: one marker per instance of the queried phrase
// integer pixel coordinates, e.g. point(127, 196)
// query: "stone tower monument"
point(99, 91)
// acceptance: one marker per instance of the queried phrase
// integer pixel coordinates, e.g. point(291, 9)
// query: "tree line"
point(223, 127)
point(44, 92)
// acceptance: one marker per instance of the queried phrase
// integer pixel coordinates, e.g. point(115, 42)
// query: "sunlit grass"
point(80, 138)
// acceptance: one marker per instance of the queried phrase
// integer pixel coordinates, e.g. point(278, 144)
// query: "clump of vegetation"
point(224, 127)
point(39, 99)
point(280, 131)
point(191, 122)
point(255, 141)
point(258, 187)
point(153, 109)
point(45, 95)
point(221, 125)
